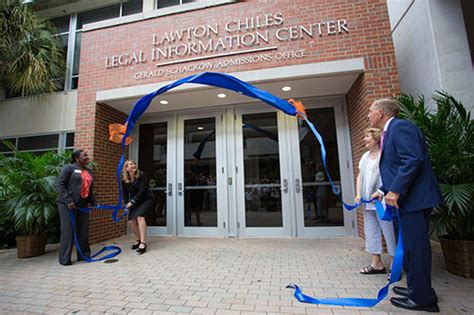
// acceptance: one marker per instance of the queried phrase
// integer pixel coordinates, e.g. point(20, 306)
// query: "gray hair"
point(389, 106)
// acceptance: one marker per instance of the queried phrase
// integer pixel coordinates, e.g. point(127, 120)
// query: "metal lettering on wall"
point(198, 45)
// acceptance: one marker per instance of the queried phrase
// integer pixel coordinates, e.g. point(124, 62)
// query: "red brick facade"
point(369, 37)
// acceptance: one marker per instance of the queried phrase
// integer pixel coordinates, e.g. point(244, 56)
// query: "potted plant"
point(28, 197)
point(449, 133)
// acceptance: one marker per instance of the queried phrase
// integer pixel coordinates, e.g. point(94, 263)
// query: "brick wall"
point(357, 112)
point(92, 134)
point(369, 37)
point(377, 82)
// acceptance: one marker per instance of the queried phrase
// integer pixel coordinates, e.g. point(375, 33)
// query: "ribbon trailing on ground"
point(121, 133)
point(115, 249)
point(360, 302)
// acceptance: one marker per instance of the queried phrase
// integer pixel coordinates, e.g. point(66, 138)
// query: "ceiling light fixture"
point(221, 95)
point(200, 128)
point(286, 88)
point(164, 102)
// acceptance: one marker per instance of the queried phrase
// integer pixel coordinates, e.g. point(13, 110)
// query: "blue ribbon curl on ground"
point(229, 82)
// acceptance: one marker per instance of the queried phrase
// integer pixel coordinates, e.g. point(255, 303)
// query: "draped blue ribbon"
point(383, 214)
point(115, 250)
point(231, 83)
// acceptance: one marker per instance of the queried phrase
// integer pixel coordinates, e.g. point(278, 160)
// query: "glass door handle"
point(297, 185)
point(180, 189)
point(284, 187)
point(169, 191)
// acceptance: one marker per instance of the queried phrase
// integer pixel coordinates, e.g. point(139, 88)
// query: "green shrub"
point(28, 194)
point(449, 133)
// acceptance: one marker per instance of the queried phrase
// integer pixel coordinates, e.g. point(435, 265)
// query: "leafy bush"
point(449, 133)
point(28, 194)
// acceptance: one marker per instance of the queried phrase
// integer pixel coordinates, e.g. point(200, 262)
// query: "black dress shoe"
point(68, 263)
point(136, 245)
point(406, 292)
point(402, 291)
point(141, 250)
point(408, 304)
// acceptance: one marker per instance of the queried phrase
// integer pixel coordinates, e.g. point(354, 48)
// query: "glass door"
point(200, 179)
point(262, 175)
point(154, 158)
point(319, 210)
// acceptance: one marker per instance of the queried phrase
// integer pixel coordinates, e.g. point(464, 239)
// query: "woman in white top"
point(368, 182)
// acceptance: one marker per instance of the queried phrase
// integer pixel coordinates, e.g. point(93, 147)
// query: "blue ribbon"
point(383, 214)
point(231, 83)
point(115, 249)
point(359, 302)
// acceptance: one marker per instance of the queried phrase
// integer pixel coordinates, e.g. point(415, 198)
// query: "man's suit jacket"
point(405, 167)
point(69, 183)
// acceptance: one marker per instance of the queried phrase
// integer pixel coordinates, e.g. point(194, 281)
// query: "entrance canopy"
point(309, 80)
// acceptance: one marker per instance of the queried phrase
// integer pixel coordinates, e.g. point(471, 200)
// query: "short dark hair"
point(75, 155)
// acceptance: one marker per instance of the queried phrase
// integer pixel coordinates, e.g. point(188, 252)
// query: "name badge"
point(78, 171)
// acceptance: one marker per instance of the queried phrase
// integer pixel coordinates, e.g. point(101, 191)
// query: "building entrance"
point(246, 171)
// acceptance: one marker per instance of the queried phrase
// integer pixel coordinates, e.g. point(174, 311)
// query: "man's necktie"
point(382, 138)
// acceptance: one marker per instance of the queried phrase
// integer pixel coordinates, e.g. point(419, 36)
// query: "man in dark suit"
point(409, 184)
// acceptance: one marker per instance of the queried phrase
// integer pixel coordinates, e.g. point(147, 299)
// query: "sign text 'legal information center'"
point(196, 46)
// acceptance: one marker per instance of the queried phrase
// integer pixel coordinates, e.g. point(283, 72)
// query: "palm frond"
point(32, 57)
point(27, 189)
point(449, 133)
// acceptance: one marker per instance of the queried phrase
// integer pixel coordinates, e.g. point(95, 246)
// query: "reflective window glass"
point(3, 147)
point(69, 140)
point(167, 3)
point(77, 53)
point(152, 157)
point(200, 190)
point(262, 171)
point(132, 7)
point(62, 24)
point(38, 142)
point(97, 15)
point(321, 206)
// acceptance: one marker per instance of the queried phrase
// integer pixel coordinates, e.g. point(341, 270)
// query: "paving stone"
point(212, 276)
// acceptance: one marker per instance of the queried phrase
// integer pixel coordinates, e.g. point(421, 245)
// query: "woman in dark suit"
point(138, 200)
point(75, 190)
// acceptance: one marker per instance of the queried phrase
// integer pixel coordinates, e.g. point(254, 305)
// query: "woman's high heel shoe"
point(135, 246)
point(141, 250)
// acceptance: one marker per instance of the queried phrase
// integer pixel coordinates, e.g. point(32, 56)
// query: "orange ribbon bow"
point(117, 132)
point(299, 108)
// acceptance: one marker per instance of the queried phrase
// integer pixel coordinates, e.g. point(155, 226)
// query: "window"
point(97, 15)
point(62, 25)
point(169, 3)
point(5, 149)
point(101, 14)
point(70, 29)
point(39, 144)
point(132, 7)
point(69, 141)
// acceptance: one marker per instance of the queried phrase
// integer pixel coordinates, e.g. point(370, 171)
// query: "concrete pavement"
point(210, 276)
